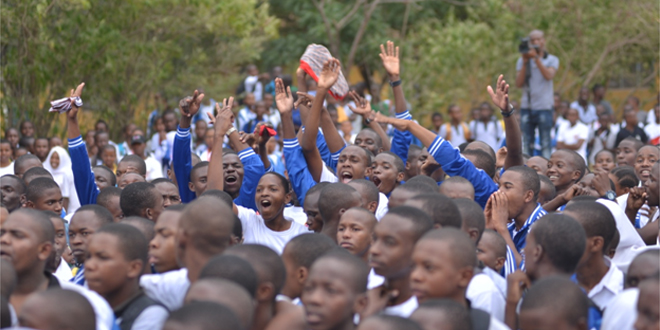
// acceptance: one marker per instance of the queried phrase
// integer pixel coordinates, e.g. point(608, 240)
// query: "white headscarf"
point(63, 176)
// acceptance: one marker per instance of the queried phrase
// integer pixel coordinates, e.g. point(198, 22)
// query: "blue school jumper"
point(520, 239)
point(330, 159)
point(595, 316)
point(83, 176)
point(401, 140)
point(454, 164)
point(79, 279)
point(296, 167)
point(182, 163)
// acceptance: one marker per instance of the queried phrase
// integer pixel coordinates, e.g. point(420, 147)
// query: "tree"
point(124, 50)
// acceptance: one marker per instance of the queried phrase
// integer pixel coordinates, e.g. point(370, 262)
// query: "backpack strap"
point(480, 319)
point(129, 312)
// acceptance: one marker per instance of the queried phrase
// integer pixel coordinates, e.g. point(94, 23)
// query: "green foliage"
point(125, 51)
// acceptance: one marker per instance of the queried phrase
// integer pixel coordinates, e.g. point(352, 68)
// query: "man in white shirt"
point(456, 130)
point(487, 129)
point(202, 234)
point(586, 110)
point(573, 136)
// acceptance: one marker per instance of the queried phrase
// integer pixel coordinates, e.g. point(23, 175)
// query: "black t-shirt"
point(638, 134)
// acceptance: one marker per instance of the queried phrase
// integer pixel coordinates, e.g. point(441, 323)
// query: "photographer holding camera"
point(536, 68)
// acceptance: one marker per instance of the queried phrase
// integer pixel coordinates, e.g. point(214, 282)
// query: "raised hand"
point(329, 74)
point(500, 156)
point(362, 106)
point(189, 105)
point(304, 99)
point(283, 97)
point(390, 58)
point(501, 94)
point(225, 118)
point(71, 114)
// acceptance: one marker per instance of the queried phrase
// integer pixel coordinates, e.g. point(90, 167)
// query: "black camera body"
point(525, 46)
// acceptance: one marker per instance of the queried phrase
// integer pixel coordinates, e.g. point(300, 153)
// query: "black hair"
point(545, 180)
point(436, 114)
point(101, 121)
point(113, 177)
point(483, 160)
point(5, 141)
point(136, 197)
point(368, 154)
point(608, 151)
point(37, 187)
point(21, 187)
point(41, 138)
point(266, 262)
point(208, 225)
point(197, 167)
point(20, 160)
point(175, 208)
point(219, 194)
point(563, 240)
point(472, 215)
point(106, 194)
point(596, 87)
point(483, 146)
point(26, 142)
point(637, 143)
point(413, 151)
point(530, 179)
point(398, 163)
point(77, 313)
point(377, 139)
point(561, 296)
point(596, 219)
point(145, 226)
point(333, 198)
point(162, 180)
point(393, 322)
point(131, 242)
point(442, 209)
point(232, 268)
point(463, 250)
point(626, 175)
point(454, 313)
point(369, 187)
point(107, 146)
point(306, 248)
point(47, 230)
point(168, 112)
point(139, 163)
point(458, 180)
point(462, 146)
point(359, 271)
point(500, 243)
point(422, 179)
point(319, 187)
point(36, 172)
point(421, 221)
point(205, 315)
point(102, 214)
point(577, 161)
point(284, 181)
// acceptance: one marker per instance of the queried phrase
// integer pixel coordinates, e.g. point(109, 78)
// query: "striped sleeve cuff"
point(246, 153)
point(436, 145)
point(182, 132)
point(76, 142)
point(404, 115)
point(291, 143)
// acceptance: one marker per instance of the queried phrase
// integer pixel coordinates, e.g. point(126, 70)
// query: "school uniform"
point(105, 319)
point(519, 238)
point(609, 286)
point(630, 242)
point(454, 164)
point(63, 271)
point(404, 309)
point(296, 166)
point(79, 278)
point(255, 231)
point(401, 140)
point(374, 280)
point(83, 176)
point(456, 135)
point(490, 133)
point(484, 294)
point(169, 288)
point(621, 312)
point(140, 313)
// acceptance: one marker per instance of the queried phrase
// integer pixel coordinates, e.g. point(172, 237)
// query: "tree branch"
point(610, 48)
point(320, 6)
point(340, 25)
point(360, 34)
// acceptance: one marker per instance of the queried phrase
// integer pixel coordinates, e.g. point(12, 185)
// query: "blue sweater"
point(402, 139)
point(296, 167)
point(83, 176)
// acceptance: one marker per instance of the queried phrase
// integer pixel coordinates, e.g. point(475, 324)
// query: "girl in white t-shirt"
point(269, 226)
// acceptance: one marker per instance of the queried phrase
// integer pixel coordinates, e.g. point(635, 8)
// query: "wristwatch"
point(230, 130)
point(610, 194)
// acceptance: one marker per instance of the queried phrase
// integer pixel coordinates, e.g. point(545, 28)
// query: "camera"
point(525, 46)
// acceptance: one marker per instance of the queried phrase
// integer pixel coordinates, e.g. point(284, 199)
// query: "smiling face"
point(328, 298)
point(233, 170)
point(561, 171)
point(626, 153)
point(384, 173)
point(369, 140)
point(352, 164)
point(434, 273)
point(162, 248)
point(392, 247)
point(271, 197)
point(355, 230)
point(646, 157)
point(82, 227)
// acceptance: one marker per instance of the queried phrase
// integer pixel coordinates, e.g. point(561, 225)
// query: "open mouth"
point(553, 178)
point(231, 179)
point(376, 180)
point(265, 203)
point(346, 176)
point(645, 173)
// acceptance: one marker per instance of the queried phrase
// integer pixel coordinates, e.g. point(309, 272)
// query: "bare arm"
point(420, 132)
point(284, 102)
point(223, 122)
point(512, 130)
point(548, 73)
point(391, 63)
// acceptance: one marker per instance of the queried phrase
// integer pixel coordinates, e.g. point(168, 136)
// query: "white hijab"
point(65, 162)
point(63, 176)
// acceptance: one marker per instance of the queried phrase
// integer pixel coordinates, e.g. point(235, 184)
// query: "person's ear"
point(23, 200)
point(499, 262)
point(191, 186)
point(148, 214)
point(372, 207)
point(408, 166)
point(529, 196)
point(265, 292)
point(287, 198)
point(135, 268)
point(367, 172)
point(400, 176)
point(465, 276)
point(29, 204)
point(44, 250)
point(301, 274)
point(595, 244)
point(360, 303)
point(576, 175)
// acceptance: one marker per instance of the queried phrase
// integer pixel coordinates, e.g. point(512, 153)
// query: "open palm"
point(390, 58)
point(329, 74)
point(501, 94)
point(283, 97)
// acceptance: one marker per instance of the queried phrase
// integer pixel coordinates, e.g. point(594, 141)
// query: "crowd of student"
point(283, 212)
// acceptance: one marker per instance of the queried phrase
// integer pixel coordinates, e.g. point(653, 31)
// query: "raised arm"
point(401, 140)
point(363, 108)
point(223, 123)
point(83, 176)
point(511, 127)
point(181, 153)
point(328, 77)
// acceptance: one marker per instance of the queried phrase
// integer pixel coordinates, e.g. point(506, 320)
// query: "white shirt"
point(457, 133)
point(296, 213)
point(572, 134)
point(168, 288)
point(484, 294)
point(105, 316)
point(255, 231)
point(630, 241)
point(587, 115)
point(7, 170)
point(652, 131)
point(152, 317)
point(621, 313)
point(402, 310)
point(608, 287)
point(490, 133)
point(382, 206)
point(374, 280)
point(63, 271)
point(154, 168)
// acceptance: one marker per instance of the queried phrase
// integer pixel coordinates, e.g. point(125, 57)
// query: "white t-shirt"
point(609, 286)
point(9, 169)
point(382, 206)
point(621, 312)
point(402, 310)
point(168, 288)
point(484, 294)
point(154, 168)
point(457, 134)
point(296, 213)
point(255, 231)
point(572, 134)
